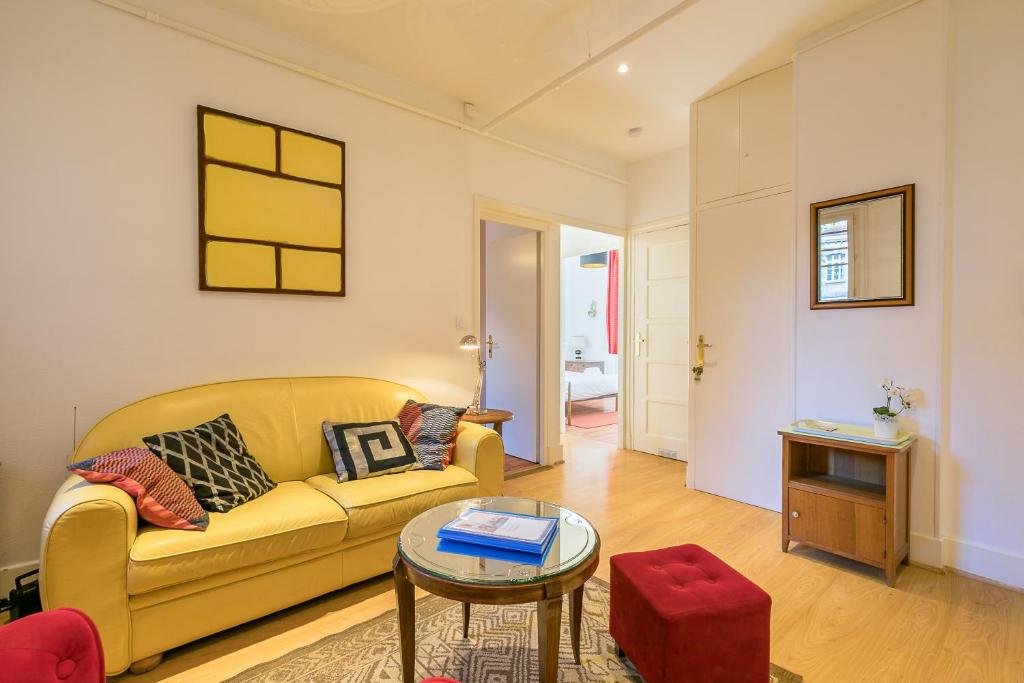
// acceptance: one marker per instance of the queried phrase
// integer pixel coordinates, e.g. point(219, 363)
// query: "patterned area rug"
point(501, 648)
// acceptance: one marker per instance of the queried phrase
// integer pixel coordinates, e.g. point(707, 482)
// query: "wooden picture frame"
point(906, 297)
point(271, 213)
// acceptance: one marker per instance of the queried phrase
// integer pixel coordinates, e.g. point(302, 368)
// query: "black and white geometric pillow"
point(431, 430)
point(213, 460)
point(369, 449)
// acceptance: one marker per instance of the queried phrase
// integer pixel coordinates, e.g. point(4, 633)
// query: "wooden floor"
point(608, 436)
point(515, 467)
point(832, 620)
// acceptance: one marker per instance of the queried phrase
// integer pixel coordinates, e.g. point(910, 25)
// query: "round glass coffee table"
point(572, 560)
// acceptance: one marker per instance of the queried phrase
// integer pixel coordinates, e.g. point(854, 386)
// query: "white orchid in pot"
point(886, 426)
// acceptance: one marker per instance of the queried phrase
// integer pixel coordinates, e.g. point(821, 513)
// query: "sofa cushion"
point(376, 504)
point(213, 460)
point(292, 518)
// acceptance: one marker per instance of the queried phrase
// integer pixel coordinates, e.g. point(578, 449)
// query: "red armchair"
point(60, 646)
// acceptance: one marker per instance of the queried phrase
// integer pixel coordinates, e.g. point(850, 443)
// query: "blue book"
point(507, 530)
point(446, 545)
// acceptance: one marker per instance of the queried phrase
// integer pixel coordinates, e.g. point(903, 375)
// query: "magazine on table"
point(510, 530)
point(478, 550)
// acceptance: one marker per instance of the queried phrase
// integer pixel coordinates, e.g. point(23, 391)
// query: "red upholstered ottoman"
point(682, 615)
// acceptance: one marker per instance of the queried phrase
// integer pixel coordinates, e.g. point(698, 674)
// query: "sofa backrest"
point(280, 419)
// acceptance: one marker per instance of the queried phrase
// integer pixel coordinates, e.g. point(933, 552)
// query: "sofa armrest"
point(87, 535)
point(481, 451)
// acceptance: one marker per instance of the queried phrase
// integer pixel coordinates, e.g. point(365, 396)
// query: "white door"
point(661, 302)
point(511, 267)
point(744, 309)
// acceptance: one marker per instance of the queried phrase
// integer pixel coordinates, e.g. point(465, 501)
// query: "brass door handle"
point(795, 514)
point(698, 369)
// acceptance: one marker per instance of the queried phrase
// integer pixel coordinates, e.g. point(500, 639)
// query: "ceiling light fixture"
point(623, 68)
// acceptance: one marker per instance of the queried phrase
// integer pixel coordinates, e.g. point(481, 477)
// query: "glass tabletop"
point(573, 545)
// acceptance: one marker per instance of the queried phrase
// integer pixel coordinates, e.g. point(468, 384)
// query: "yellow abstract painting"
point(272, 207)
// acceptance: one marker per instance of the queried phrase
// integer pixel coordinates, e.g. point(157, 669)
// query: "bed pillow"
point(431, 430)
point(161, 497)
point(369, 449)
point(213, 460)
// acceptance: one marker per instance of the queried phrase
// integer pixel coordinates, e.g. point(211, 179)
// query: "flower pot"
point(886, 427)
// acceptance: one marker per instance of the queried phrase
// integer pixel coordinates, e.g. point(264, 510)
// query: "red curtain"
point(612, 317)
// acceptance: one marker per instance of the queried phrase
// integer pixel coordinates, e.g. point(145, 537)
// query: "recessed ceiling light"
point(635, 132)
point(623, 68)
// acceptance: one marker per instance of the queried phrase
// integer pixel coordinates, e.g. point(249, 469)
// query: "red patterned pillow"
point(431, 430)
point(160, 495)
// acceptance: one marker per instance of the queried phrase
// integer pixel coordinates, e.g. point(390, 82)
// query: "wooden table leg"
point(575, 619)
point(406, 594)
point(549, 631)
point(465, 620)
point(497, 427)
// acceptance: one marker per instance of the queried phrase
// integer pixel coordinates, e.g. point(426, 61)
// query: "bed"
point(590, 385)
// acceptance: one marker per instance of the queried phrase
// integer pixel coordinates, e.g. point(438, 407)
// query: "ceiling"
point(500, 54)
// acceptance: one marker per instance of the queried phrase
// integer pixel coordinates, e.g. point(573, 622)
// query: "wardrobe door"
point(718, 142)
point(766, 130)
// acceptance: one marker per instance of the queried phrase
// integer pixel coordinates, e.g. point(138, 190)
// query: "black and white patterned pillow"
point(431, 430)
point(213, 460)
point(369, 449)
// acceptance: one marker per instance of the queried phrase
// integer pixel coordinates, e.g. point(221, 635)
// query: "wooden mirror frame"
point(908, 249)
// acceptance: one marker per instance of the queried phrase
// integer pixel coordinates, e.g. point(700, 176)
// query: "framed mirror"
point(862, 250)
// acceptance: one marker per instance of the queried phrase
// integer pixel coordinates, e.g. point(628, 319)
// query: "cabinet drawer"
point(842, 526)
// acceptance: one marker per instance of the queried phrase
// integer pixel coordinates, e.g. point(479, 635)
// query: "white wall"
point(930, 94)
point(982, 473)
point(659, 187)
point(870, 114)
point(581, 286)
point(98, 211)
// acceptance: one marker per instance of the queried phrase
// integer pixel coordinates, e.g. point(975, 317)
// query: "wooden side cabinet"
point(847, 498)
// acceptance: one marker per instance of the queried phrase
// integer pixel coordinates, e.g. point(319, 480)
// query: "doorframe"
point(627, 364)
point(549, 353)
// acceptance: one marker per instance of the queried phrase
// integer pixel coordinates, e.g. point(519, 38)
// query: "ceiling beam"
point(573, 73)
point(181, 27)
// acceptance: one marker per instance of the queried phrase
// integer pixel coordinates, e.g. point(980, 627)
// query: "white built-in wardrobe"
point(742, 232)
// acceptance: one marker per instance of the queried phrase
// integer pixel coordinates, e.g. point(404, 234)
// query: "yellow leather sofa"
point(150, 589)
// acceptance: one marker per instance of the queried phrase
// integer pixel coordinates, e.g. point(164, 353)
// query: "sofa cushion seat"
point(382, 502)
point(291, 519)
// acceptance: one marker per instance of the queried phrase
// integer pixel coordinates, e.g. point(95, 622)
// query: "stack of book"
point(506, 536)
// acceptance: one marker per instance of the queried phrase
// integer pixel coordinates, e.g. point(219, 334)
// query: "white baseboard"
point(7, 575)
point(989, 563)
point(982, 562)
point(926, 550)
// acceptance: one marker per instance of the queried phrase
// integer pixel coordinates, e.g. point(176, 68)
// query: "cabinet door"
point(824, 521)
point(766, 130)
point(870, 533)
point(718, 146)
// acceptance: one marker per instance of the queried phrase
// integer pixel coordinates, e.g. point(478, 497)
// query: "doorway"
point(510, 323)
point(591, 322)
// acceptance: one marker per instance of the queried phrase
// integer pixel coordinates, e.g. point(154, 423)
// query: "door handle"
point(698, 369)
point(490, 346)
point(638, 341)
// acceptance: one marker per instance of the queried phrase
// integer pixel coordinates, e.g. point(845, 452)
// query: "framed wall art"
point(271, 207)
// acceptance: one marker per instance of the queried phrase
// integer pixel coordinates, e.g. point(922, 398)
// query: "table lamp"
point(471, 343)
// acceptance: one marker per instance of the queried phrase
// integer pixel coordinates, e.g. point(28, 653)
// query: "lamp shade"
point(598, 260)
point(469, 342)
